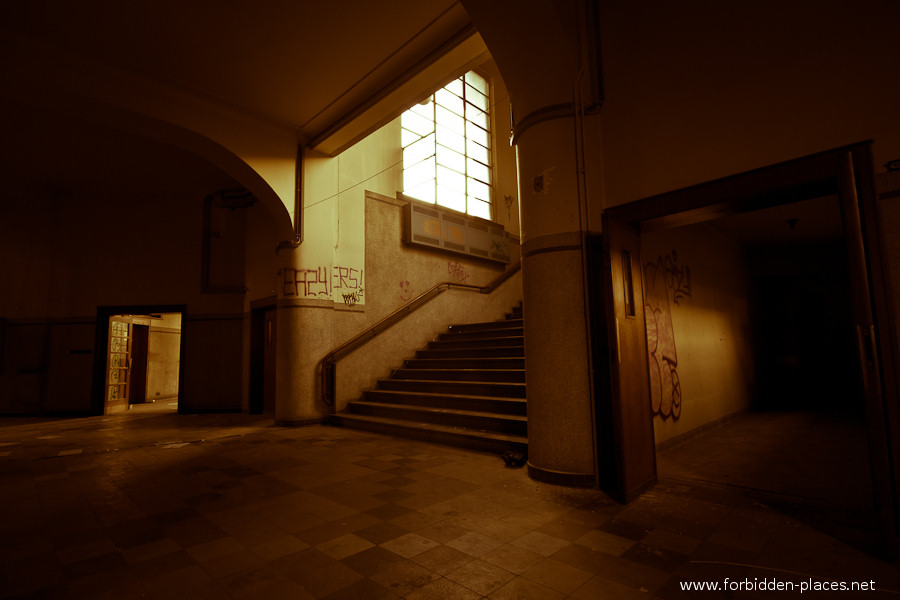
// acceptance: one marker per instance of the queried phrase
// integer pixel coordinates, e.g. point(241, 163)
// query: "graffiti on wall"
point(405, 291)
point(457, 271)
point(327, 282)
point(666, 284)
point(353, 298)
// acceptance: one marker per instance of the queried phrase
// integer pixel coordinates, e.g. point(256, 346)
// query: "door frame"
point(257, 379)
point(815, 176)
point(101, 342)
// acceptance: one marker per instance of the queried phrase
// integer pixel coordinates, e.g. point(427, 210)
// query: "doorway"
point(141, 369)
point(262, 357)
point(776, 409)
point(811, 387)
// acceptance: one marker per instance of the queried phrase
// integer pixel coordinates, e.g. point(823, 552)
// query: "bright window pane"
point(446, 147)
point(477, 152)
point(479, 189)
point(476, 134)
point(478, 208)
point(424, 108)
point(451, 179)
point(416, 174)
point(455, 87)
point(476, 98)
point(418, 151)
point(479, 117)
point(477, 81)
point(416, 123)
point(451, 159)
point(407, 137)
point(477, 170)
point(453, 199)
point(451, 121)
point(449, 101)
point(423, 191)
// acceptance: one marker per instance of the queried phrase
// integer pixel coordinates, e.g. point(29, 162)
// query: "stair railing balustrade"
point(329, 361)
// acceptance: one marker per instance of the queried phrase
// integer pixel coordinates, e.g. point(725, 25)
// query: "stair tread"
point(458, 369)
point(448, 395)
point(459, 334)
point(458, 349)
point(486, 359)
point(449, 411)
point(462, 383)
point(406, 423)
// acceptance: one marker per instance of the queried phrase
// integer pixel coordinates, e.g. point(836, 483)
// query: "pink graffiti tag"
point(659, 278)
point(405, 292)
point(457, 270)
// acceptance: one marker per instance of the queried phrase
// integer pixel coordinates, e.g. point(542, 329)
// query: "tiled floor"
point(164, 506)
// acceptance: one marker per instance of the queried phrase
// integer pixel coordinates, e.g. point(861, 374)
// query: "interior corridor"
point(167, 506)
point(812, 465)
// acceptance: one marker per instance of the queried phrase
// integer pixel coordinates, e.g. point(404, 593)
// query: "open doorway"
point(795, 336)
point(777, 409)
point(262, 357)
point(140, 369)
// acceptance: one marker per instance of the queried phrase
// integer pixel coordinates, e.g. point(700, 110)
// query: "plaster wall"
point(65, 254)
point(696, 290)
point(164, 358)
point(398, 273)
point(352, 268)
point(700, 90)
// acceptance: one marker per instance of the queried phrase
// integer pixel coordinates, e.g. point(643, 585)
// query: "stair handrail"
point(329, 361)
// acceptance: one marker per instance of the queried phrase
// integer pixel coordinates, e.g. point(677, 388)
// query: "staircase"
point(466, 388)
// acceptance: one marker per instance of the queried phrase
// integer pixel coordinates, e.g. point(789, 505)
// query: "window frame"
point(431, 164)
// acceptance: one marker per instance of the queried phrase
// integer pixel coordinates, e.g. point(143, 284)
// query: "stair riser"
point(482, 335)
point(450, 420)
point(504, 390)
point(504, 352)
point(485, 343)
point(507, 324)
point(460, 375)
point(465, 363)
point(509, 406)
point(460, 440)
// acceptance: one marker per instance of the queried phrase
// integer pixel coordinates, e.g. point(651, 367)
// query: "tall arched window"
point(447, 148)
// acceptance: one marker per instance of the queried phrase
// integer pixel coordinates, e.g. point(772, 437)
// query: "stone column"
point(546, 52)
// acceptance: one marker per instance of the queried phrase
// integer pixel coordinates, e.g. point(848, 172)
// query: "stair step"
point(493, 342)
point(465, 388)
point(505, 375)
point(472, 352)
point(482, 334)
point(493, 404)
point(507, 324)
point(451, 417)
point(465, 363)
point(473, 388)
point(431, 432)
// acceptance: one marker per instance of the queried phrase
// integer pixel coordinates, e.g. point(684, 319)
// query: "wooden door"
point(118, 362)
point(631, 453)
point(262, 360)
point(269, 363)
point(854, 173)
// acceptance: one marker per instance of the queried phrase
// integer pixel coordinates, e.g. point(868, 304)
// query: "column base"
point(580, 480)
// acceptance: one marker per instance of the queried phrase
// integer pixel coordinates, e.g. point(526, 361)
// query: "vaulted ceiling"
point(330, 71)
